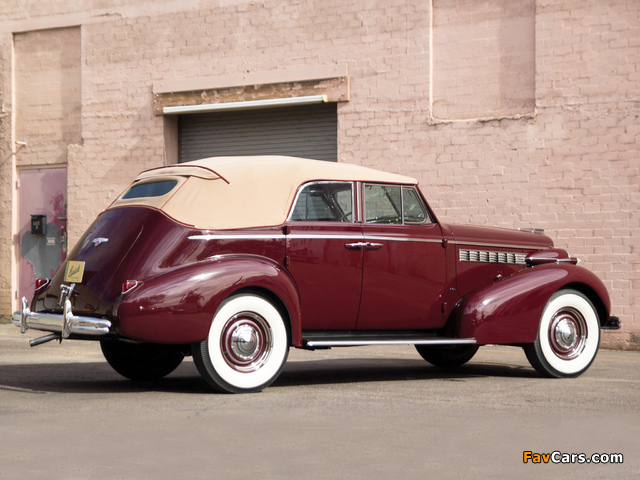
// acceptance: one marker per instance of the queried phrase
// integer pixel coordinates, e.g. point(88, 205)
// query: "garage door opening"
point(308, 131)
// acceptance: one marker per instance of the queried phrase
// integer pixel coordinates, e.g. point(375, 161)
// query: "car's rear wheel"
point(568, 336)
point(247, 345)
point(447, 356)
point(142, 361)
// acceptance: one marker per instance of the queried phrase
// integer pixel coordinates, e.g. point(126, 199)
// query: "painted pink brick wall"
point(572, 167)
point(47, 94)
point(483, 58)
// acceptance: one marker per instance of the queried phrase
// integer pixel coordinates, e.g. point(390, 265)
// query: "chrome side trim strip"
point(277, 236)
point(498, 245)
point(356, 342)
point(312, 236)
point(325, 236)
point(328, 236)
point(256, 236)
point(402, 239)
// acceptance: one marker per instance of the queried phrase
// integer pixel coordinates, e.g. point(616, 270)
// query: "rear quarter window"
point(150, 189)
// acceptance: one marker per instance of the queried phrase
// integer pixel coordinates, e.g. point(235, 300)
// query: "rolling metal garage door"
point(308, 131)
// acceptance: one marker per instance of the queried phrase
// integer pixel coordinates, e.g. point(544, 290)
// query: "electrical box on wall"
point(38, 224)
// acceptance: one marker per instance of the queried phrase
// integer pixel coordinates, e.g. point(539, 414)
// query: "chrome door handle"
point(367, 245)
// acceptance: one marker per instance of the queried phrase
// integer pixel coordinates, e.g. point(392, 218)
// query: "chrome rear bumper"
point(66, 324)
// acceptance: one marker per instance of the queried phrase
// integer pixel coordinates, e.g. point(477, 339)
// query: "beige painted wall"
point(546, 135)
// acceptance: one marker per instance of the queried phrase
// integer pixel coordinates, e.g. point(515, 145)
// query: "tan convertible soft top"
point(243, 192)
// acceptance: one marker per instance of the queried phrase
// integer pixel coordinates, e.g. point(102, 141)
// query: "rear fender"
point(178, 306)
point(509, 310)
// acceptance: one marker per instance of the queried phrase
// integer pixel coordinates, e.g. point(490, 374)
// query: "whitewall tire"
point(247, 345)
point(568, 336)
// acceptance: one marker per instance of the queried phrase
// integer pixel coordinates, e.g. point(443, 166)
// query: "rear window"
point(151, 189)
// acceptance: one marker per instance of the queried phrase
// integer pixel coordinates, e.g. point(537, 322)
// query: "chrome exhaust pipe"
point(47, 338)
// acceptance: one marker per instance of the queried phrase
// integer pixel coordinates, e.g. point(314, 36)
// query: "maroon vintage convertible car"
point(234, 260)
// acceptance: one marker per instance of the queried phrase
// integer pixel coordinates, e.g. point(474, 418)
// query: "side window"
point(414, 211)
point(393, 204)
point(383, 204)
point(324, 202)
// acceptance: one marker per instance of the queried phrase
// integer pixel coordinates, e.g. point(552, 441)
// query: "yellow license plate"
point(74, 271)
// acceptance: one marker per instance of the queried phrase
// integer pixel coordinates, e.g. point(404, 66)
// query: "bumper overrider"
point(62, 325)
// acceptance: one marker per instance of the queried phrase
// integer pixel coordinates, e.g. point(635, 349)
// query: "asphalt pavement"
point(350, 413)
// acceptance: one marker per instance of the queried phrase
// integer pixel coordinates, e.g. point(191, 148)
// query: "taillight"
point(42, 284)
point(129, 285)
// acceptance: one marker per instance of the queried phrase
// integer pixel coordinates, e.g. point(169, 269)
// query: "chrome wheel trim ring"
point(246, 342)
point(567, 333)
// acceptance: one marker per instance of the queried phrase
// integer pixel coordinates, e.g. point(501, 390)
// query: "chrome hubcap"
point(567, 333)
point(246, 342)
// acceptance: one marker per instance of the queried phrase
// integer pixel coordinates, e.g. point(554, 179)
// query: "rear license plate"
point(74, 272)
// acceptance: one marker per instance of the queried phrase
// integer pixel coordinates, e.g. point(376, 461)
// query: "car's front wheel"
point(447, 356)
point(247, 345)
point(142, 361)
point(568, 336)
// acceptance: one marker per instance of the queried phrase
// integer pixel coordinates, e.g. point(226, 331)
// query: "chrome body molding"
point(323, 236)
point(492, 257)
point(402, 239)
point(273, 236)
point(339, 236)
point(497, 245)
point(66, 324)
point(254, 236)
point(361, 342)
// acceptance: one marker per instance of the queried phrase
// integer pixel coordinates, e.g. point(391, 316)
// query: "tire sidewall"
point(553, 363)
point(221, 372)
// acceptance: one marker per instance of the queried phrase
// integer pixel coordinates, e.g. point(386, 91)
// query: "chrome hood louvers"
point(492, 257)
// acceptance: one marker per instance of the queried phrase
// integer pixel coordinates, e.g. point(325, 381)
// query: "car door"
point(324, 255)
point(404, 261)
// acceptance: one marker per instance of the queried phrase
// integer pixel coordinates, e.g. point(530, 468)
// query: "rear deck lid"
point(99, 254)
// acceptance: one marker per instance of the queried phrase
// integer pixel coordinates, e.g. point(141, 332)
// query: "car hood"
point(499, 237)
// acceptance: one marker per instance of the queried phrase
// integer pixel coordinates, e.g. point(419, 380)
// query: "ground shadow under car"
point(98, 377)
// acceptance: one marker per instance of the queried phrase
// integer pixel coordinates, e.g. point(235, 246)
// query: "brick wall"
point(483, 58)
point(6, 182)
point(47, 95)
point(569, 165)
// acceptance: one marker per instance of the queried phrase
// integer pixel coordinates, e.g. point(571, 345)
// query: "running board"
point(360, 341)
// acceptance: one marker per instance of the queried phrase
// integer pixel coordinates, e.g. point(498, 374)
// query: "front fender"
point(509, 310)
point(178, 306)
